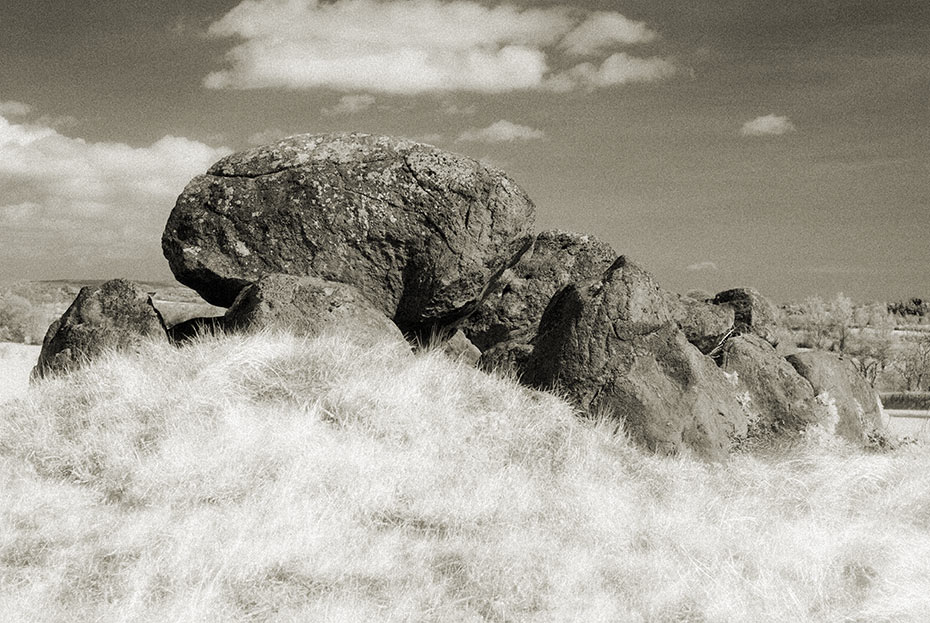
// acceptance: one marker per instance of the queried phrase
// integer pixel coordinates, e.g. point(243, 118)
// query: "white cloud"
point(617, 69)
point(14, 109)
point(702, 266)
point(351, 104)
point(70, 199)
point(418, 46)
point(604, 30)
point(768, 125)
point(502, 131)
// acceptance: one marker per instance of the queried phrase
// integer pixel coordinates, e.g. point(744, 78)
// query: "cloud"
point(419, 46)
point(501, 132)
point(14, 109)
point(617, 69)
point(351, 104)
point(769, 125)
point(64, 200)
point(604, 30)
point(702, 266)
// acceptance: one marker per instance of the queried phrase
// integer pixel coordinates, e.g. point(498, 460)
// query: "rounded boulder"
point(421, 232)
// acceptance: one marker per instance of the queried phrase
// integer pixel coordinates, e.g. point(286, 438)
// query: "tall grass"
point(269, 478)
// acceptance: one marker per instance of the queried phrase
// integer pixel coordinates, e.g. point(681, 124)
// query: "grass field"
point(269, 478)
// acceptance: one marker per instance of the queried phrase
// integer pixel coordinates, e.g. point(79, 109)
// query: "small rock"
point(307, 306)
point(117, 314)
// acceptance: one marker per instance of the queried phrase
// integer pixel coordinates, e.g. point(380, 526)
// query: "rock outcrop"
point(460, 348)
point(308, 306)
point(505, 323)
point(779, 400)
point(753, 313)
point(422, 233)
point(611, 345)
point(705, 325)
point(117, 314)
point(838, 383)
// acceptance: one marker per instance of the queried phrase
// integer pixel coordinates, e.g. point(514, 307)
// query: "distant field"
point(16, 361)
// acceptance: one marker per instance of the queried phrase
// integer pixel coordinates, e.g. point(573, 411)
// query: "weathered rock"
point(838, 382)
point(422, 233)
point(612, 346)
point(779, 399)
point(116, 314)
point(505, 323)
point(753, 313)
point(307, 306)
point(705, 325)
point(555, 260)
point(460, 348)
point(192, 327)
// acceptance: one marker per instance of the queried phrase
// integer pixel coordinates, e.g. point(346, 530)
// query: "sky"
point(781, 145)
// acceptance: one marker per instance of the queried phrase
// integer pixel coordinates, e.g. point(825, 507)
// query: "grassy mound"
point(269, 478)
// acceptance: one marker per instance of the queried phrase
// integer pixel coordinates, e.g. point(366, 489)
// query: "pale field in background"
point(16, 361)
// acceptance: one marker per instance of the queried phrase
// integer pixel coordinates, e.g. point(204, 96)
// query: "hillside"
point(270, 478)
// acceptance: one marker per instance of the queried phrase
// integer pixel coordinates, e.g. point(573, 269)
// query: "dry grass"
point(268, 478)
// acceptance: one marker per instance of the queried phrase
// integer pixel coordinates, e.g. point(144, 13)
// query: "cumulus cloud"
point(418, 46)
point(702, 266)
point(768, 125)
point(65, 199)
point(351, 104)
point(502, 131)
point(604, 30)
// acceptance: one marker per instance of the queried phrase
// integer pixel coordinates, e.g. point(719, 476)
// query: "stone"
point(780, 401)
point(705, 325)
point(555, 260)
point(837, 382)
point(612, 347)
point(308, 306)
point(422, 233)
point(115, 315)
point(505, 323)
point(460, 348)
point(753, 313)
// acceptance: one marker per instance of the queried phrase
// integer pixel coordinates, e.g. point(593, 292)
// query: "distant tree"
point(914, 364)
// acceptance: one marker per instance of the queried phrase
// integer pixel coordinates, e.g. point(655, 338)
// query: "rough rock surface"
point(838, 382)
point(422, 233)
point(753, 313)
point(611, 344)
point(116, 314)
point(778, 399)
point(307, 306)
point(460, 348)
point(705, 325)
point(505, 323)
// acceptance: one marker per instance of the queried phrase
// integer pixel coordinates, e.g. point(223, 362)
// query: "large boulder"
point(308, 306)
point(838, 383)
point(778, 399)
point(611, 345)
point(116, 314)
point(506, 321)
point(753, 313)
point(422, 233)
